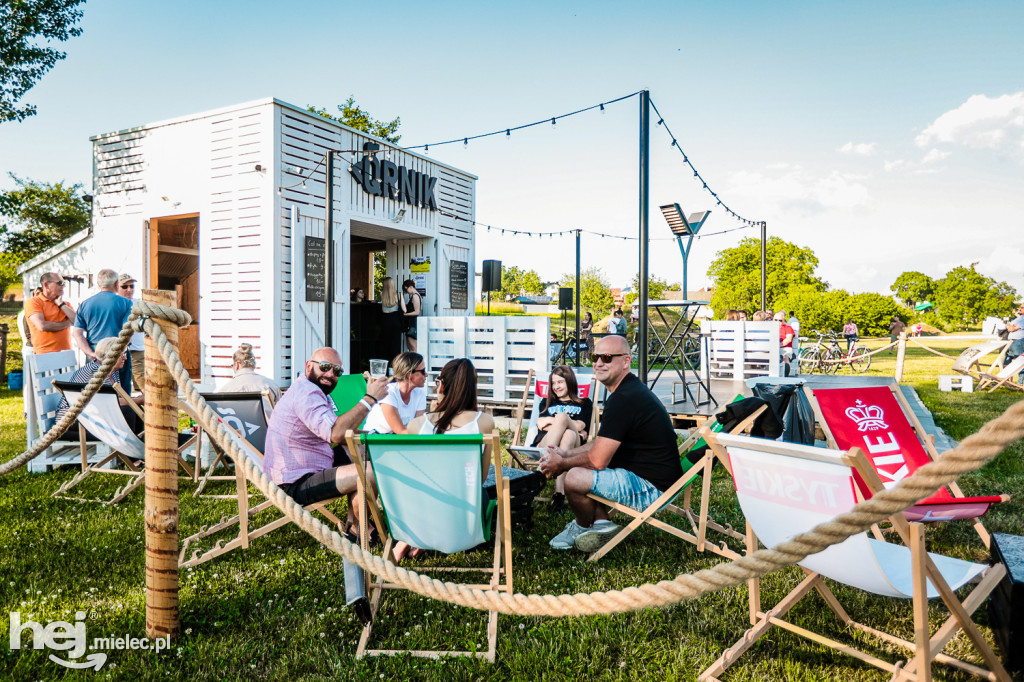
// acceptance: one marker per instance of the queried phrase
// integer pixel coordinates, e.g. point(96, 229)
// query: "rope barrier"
point(847, 360)
point(931, 350)
point(970, 455)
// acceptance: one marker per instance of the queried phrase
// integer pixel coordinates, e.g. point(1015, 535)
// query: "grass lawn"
point(276, 611)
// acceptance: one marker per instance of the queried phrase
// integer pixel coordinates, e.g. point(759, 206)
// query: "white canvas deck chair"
point(700, 522)
point(787, 489)
point(246, 533)
point(878, 421)
point(522, 451)
point(969, 361)
point(248, 413)
point(71, 447)
point(431, 496)
point(1006, 378)
point(102, 417)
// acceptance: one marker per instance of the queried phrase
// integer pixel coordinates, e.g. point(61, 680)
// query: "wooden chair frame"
point(1005, 378)
point(221, 458)
point(926, 648)
point(700, 523)
point(520, 414)
point(501, 566)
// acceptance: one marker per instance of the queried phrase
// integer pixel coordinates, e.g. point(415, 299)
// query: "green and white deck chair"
point(786, 489)
point(700, 522)
point(431, 495)
point(102, 418)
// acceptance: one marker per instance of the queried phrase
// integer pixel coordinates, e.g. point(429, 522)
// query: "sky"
point(884, 136)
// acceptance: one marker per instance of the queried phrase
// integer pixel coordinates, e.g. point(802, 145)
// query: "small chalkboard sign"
point(314, 268)
point(458, 284)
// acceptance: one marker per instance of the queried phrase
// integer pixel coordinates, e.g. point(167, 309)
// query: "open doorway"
point(366, 316)
point(174, 266)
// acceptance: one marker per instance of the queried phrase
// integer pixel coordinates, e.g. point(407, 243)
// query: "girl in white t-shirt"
point(406, 398)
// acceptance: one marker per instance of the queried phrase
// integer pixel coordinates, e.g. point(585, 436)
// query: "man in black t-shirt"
point(632, 461)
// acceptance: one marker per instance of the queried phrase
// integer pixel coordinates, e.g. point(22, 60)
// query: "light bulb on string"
point(602, 109)
point(465, 142)
point(508, 134)
point(553, 123)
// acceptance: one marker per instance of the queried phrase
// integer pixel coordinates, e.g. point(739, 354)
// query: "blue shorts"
point(624, 487)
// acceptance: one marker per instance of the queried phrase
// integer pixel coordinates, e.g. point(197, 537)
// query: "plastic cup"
point(378, 369)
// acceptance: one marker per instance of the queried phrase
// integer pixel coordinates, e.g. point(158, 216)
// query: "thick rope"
point(970, 455)
point(932, 350)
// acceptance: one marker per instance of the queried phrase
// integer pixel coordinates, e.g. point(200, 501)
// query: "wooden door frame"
point(154, 243)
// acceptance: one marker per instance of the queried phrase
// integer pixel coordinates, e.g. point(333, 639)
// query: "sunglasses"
point(127, 286)
point(59, 284)
point(327, 366)
point(607, 357)
point(419, 371)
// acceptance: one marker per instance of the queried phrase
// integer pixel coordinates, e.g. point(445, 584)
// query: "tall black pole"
point(764, 261)
point(329, 249)
point(577, 349)
point(645, 177)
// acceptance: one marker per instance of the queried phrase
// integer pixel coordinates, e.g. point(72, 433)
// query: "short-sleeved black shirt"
point(635, 417)
point(578, 412)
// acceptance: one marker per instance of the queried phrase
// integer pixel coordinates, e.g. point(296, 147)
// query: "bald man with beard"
point(633, 459)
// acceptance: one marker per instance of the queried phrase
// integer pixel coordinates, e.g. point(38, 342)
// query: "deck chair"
point(969, 361)
point(431, 495)
point(245, 511)
point(877, 420)
point(522, 452)
point(43, 399)
point(1006, 378)
point(248, 413)
point(699, 522)
point(102, 417)
point(786, 489)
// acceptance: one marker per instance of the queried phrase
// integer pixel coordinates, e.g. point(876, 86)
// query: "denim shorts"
point(624, 487)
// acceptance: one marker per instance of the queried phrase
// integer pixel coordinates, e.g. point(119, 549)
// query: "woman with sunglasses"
point(406, 398)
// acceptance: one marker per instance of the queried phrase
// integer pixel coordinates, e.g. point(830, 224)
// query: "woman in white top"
point(405, 400)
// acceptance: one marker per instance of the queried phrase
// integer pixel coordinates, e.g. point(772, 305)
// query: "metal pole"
point(645, 177)
point(577, 349)
point(329, 248)
point(764, 260)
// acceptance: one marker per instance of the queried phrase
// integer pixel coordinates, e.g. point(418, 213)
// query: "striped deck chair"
point(431, 496)
point(786, 489)
point(879, 421)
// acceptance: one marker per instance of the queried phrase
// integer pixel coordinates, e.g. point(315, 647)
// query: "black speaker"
point(564, 298)
point(491, 276)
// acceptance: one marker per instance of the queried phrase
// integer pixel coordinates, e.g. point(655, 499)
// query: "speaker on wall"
point(491, 280)
point(564, 298)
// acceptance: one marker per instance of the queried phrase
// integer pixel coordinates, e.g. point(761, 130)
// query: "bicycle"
point(818, 356)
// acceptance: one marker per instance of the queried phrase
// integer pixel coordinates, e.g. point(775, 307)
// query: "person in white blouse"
point(406, 398)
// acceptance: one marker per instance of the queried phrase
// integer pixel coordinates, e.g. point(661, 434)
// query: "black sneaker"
point(362, 608)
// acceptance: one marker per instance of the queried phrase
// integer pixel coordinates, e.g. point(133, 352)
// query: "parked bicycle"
point(817, 357)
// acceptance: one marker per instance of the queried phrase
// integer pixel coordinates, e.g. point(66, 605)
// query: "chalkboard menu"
point(458, 284)
point(314, 268)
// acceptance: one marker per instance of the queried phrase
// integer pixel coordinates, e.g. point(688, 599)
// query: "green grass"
point(275, 611)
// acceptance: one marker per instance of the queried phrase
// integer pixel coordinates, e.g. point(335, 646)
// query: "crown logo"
point(867, 418)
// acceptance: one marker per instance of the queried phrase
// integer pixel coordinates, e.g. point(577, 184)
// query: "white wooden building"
point(214, 204)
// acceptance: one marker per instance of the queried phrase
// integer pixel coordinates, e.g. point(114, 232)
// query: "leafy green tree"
point(380, 271)
point(36, 215)
point(736, 274)
point(356, 117)
point(656, 287)
point(595, 293)
point(518, 282)
point(912, 287)
point(965, 296)
point(873, 313)
point(8, 272)
point(816, 309)
point(27, 29)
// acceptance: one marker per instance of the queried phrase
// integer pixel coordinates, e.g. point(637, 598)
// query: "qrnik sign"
point(383, 178)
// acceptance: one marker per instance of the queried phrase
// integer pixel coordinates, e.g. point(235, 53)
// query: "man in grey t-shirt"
point(1016, 329)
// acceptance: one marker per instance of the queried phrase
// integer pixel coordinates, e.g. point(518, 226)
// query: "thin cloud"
point(934, 156)
point(802, 192)
point(981, 122)
point(898, 164)
point(860, 149)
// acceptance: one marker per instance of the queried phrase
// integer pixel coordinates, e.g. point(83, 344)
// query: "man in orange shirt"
point(50, 316)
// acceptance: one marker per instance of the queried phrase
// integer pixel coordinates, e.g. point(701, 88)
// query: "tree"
point(8, 272)
point(518, 282)
point(736, 274)
point(37, 215)
point(965, 296)
point(656, 287)
point(26, 28)
point(595, 294)
point(380, 271)
point(356, 117)
point(872, 313)
point(912, 287)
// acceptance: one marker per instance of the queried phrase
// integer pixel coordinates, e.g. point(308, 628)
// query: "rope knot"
point(162, 312)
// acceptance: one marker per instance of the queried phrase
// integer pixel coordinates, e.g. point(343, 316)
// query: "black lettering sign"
point(458, 284)
point(380, 177)
point(314, 262)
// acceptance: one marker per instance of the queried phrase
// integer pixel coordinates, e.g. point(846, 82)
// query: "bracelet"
point(362, 401)
point(375, 401)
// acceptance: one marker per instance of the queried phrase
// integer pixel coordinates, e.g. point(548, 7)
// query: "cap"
point(125, 279)
point(779, 317)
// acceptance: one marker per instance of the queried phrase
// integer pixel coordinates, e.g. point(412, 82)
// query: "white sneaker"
point(595, 537)
point(567, 537)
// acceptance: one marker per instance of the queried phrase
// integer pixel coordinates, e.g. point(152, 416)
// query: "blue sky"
point(884, 136)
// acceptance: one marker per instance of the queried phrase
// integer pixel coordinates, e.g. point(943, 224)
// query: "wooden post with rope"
point(901, 355)
point(161, 512)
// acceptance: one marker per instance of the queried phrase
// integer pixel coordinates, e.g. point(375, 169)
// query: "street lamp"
point(682, 226)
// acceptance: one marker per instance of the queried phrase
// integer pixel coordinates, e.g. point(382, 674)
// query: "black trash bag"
point(767, 425)
point(791, 407)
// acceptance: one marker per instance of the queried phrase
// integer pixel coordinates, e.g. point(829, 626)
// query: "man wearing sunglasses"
point(632, 460)
point(137, 346)
point(50, 316)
